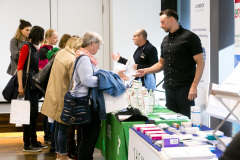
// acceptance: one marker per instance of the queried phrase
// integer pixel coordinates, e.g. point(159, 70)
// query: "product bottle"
point(140, 102)
point(192, 114)
point(150, 102)
point(146, 105)
point(196, 116)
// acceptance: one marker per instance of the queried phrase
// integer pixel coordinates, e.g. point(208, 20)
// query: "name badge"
point(142, 55)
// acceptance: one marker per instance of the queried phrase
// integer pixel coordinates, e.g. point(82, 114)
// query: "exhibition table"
point(141, 146)
point(114, 135)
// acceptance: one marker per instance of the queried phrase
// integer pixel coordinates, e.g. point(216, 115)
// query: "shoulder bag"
point(40, 80)
point(12, 85)
point(76, 109)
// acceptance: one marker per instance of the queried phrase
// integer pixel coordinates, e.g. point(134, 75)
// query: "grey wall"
point(226, 23)
point(185, 13)
point(222, 49)
point(226, 38)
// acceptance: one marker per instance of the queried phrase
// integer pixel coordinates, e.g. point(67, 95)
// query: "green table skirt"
point(114, 135)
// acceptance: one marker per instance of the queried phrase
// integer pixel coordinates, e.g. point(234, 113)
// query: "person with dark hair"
point(31, 92)
point(145, 56)
point(16, 44)
point(181, 50)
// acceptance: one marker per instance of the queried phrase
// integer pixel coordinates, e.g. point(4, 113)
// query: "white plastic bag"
point(20, 111)
point(115, 103)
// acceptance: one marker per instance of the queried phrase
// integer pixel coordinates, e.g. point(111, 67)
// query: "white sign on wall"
point(200, 25)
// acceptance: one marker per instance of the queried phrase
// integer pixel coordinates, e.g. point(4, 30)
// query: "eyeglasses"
point(136, 35)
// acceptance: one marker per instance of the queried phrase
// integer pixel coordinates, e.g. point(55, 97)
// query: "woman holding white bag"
point(29, 91)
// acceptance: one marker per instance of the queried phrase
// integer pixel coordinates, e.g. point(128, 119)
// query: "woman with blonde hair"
point(51, 38)
point(50, 53)
point(16, 44)
point(58, 84)
point(62, 44)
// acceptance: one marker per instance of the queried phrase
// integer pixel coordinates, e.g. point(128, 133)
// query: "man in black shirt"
point(181, 50)
point(145, 55)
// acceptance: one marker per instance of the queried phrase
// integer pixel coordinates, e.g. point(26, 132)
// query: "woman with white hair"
point(87, 77)
point(83, 80)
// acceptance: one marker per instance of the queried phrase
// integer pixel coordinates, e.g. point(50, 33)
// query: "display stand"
point(228, 95)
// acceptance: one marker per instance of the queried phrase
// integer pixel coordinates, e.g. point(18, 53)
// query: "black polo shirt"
point(178, 50)
point(144, 56)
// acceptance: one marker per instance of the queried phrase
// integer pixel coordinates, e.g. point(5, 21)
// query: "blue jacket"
point(110, 83)
point(150, 81)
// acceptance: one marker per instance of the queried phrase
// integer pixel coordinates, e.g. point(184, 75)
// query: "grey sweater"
point(15, 47)
point(83, 77)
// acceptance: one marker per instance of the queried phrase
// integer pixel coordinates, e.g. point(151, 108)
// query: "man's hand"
point(115, 57)
point(192, 93)
point(122, 75)
point(140, 73)
point(135, 66)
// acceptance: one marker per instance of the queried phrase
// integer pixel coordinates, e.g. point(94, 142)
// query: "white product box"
point(191, 130)
point(143, 130)
point(139, 126)
point(156, 136)
point(154, 132)
point(163, 125)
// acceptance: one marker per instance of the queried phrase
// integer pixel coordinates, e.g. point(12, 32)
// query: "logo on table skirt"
point(119, 143)
point(109, 131)
point(137, 155)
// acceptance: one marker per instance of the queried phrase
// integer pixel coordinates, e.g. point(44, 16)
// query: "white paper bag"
point(20, 112)
point(115, 103)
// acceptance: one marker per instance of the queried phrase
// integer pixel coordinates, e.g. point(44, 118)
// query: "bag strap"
point(54, 55)
point(75, 65)
point(29, 56)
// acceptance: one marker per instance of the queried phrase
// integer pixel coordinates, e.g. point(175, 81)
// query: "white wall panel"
point(34, 11)
point(75, 17)
point(126, 17)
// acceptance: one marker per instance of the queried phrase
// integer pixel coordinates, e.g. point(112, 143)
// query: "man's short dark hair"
point(143, 33)
point(36, 35)
point(169, 13)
